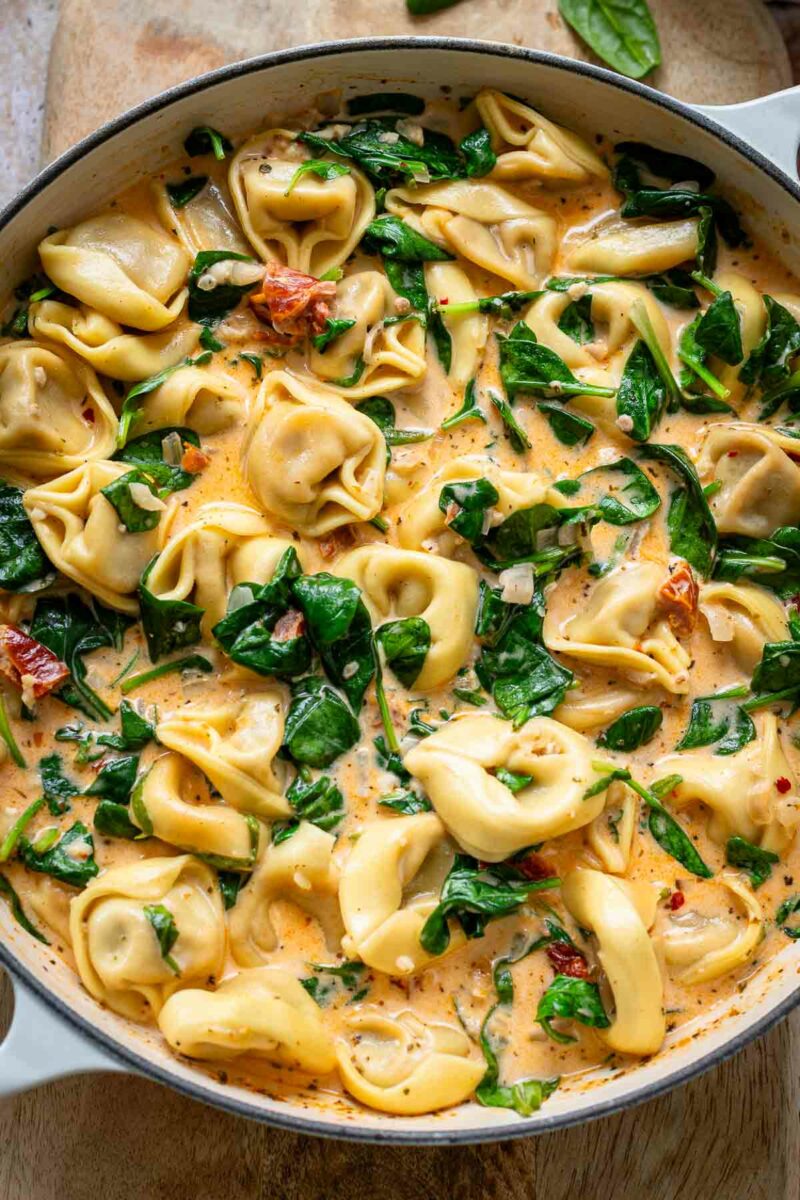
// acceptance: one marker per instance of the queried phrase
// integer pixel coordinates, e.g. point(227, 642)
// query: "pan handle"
point(770, 124)
point(40, 1046)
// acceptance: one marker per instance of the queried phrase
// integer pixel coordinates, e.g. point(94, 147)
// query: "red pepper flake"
point(783, 785)
point(296, 305)
point(23, 658)
point(676, 901)
point(678, 597)
point(567, 959)
point(193, 459)
point(444, 300)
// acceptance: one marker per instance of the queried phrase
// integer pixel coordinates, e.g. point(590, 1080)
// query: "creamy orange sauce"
point(458, 987)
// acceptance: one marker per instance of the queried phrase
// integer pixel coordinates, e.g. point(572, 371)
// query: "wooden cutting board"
point(732, 1135)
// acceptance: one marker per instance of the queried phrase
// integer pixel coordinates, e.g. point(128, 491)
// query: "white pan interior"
point(239, 100)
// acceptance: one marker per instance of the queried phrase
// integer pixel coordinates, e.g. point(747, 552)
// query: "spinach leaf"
point(30, 291)
point(57, 788)
point(466, 505)
point(694, 356)
point(576, 320)
point(470, 410)
point(72, 629)
point(166, 931)
point(185, 190)
point(319, 725)
point(316, 800)
point(334, 328)
point(528, 366)
point(772, 562)
point(681, 202)
point(777, 674)
point(787, 909)
point(525, 1097)
point(191, 662)
point(517, 670)
point(665, 830)
point(389, 163)
point(632, 499)
point(394, 102)
point(157, 479)
point(786, 391)
point(24, 566)
point(168, 624)
point(70, 859)
point(719, 330)
point(503, 305)
point(621, 32)
point(230, 883)
point(18, 912)
point(111, 819)
point(476, 150)
point(572, 999)
point(641, 396)
point(405, 644)
point(408, 280)
point(632, 729)
point(339, 627)
point(474, 895)
point(208, 306)
point(754, 860)
point(341, 979)
point(568, 427)
point(517, 539)
point(769, 362)
point(422, 8)
point(135, 732)
point(317, 166)
point(718, 719)
point(675, 288)
point(516, 434)
point(394, 239)
point(115, 779)
point(148, 451)
point(406, 802)
point(255, 361)
point(664, 164)
point(382, 412)
point(249, 633)
point(205, 140)
point(691, 525)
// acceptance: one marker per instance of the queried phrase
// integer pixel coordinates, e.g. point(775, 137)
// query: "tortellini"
point(626, 249)
point(484, 223)
point(403, 1065)
point(456, 766)
point(448, 283)
point(171, 801)
point(116, 946)
point(404, 583)
point(308, 223)
point(422, 525)
point(205, 222)
point(611, 834)
point(128, 270)
point(206, 401)
point(743, 616)
point(760, 482)
point(389, 353)
point(54, 415)
point(264, 1012)
point(620, 625)
point(81, 534)
point(225, 545)
point(299, 869)
point(106, 346)
point(235, 744)
point(751, 794)
point(383, 920)
point(312, 461)
point(528, 146)
point(702, 947)
point(605, 906)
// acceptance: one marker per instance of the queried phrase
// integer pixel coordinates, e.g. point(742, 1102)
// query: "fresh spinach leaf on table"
point(621, 32)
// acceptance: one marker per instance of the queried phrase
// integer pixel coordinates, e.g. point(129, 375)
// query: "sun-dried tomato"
point(22, 658)
point(337, 541)
point(294, 304)
point(678, 597)
point(567, 959)
point(193, 459)
point(676, 901)
point(533, 866)
point(288, 627)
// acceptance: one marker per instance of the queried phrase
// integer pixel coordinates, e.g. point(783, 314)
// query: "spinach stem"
point(702, 372)
point(7, 734)
point(191, 662)
point(640, 318)
point(8, 845)
point(383, 705)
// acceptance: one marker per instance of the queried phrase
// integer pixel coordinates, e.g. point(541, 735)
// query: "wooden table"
point(731, 1135)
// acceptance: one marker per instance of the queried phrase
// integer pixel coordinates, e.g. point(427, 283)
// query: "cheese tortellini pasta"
point(116, 944)
point(206, 401)
point(699, 948)
point(458, 766)
point(54, 415)
point(742, 616)
point(307, 222)
point(759, 480)
point(528, 146)
point(337, 456)
point(81, 533)
point(623, 249)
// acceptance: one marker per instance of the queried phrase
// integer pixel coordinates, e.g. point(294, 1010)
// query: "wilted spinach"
point(690, 522)
point(72, 629)
point(319, 725)
point(632, 729)
point(24, 566)
point(70, 859)
point(757, 862)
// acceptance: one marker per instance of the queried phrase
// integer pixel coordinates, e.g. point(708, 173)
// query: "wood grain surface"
point(732, 1134)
